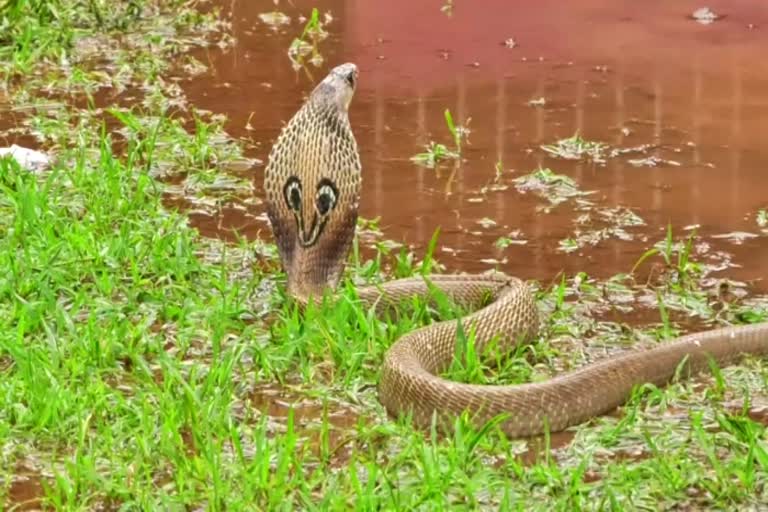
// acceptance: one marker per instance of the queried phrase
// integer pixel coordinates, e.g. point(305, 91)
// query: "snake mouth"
point(308, 239)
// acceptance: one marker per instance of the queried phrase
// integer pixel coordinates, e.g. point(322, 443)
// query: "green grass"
point(306, 46)
point(136, 356)
point(436, 152)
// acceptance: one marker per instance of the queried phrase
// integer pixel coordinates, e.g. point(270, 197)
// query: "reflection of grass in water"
point(130, 349)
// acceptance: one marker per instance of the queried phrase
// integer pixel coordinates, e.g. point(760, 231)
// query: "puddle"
point(537, 449)
point(325, 426)
point(680, 106)
point(277, 402)
point(757, 411)
point(25, 492)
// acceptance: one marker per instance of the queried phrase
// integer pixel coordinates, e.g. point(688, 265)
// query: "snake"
point(312, 185)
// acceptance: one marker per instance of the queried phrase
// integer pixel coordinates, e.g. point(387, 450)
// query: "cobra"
point(312, 183)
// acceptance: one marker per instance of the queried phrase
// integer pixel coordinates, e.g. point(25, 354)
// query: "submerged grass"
point(437, 152)
point(134, 354)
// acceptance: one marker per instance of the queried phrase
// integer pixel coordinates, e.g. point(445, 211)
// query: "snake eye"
point(292, 193)
point(326, 197)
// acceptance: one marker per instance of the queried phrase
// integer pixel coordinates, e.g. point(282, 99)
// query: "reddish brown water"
point(327, 429)
point(698, 94)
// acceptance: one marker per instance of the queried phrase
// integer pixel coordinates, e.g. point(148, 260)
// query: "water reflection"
point(619, 72)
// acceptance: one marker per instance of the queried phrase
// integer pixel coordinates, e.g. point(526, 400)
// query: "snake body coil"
point(312, 185)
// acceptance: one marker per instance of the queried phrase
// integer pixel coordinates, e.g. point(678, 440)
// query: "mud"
point(328, 430)
point(26, 491)
point(757, 411)
point(539, 448)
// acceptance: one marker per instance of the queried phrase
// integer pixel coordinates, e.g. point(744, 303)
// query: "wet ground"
point(683, 103)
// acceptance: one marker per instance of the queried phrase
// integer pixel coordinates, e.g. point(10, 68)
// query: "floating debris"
point(653, 161)
point(705, 16)
point(486, 222)
point(577, 148)
point(605, 223)
point(555, 188)
point(494, 261)
point(275, 19)
point(736, 237)
point(513, 238)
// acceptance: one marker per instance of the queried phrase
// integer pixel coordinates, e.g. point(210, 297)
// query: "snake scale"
point(312, 184)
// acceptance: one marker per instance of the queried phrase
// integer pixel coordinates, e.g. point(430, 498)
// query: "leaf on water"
point(652, 161)
point(555, 188)
point(736, 237)
point(510, 42)
point(568, 245)
point(603, 223)
point(275, 19)
point(494, 261)
point(486, 222)
point(705, 16)
point(513, 238)
point(762, 218)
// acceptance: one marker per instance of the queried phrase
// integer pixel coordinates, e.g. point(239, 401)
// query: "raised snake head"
point(312, 184)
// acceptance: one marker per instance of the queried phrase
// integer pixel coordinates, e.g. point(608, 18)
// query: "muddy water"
point(327, 429)
point(625, 73)
point(26, 491)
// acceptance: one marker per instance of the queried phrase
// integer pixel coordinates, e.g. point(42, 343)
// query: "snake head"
point(336, 89)
point(312, 185)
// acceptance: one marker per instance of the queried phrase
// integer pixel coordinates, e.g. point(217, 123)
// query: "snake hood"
point(312, 185)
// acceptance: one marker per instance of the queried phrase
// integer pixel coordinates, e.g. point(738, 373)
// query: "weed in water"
point(577, 148)
point(762, 218)
point(307, 43)
point(436, 152)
